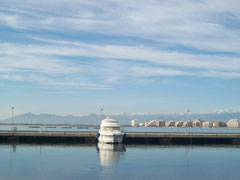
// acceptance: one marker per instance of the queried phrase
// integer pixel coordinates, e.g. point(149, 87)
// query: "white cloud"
point(10, 20)
point(192, 24)
point(152, 71)
point(132, 53)
point(112, 64)
point(198, 24)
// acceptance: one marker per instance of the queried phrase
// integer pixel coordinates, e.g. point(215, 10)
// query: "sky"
point(158, 56)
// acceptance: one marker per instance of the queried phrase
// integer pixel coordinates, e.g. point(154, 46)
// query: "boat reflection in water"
point(109, 154)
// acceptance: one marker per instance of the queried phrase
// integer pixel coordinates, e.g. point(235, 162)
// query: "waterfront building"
point(187, 124)
point(207, 124)
point(141, 125)
point(219, 124)
point(222, 124)
point(160, 123)
point(170, 123)
point(215, 124)
point(151, 123)
point(178, 124)
point(233, 123)
point(134, 123)
point(197, 123)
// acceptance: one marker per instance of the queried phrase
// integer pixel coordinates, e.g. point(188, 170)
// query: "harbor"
point(130, 137)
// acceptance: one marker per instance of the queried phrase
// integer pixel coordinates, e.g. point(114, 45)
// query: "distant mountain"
point(53, 119)
point(124, 119)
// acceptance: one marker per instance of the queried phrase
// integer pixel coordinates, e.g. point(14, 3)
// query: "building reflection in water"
point(109, 154)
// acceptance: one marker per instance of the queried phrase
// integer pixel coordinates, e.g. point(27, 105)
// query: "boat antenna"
point(101, 112)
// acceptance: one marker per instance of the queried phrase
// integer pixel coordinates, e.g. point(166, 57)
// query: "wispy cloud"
point(10, 20)
point(198, 24)
point(134, 48)
point(43, 64)
point(197, 27)
point(131, 53)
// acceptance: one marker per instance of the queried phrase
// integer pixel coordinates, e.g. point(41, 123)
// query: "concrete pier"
point(131, 138)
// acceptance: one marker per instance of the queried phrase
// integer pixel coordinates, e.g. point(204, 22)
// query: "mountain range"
point(124, 119)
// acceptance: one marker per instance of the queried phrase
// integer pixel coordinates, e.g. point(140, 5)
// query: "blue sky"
point(157, 56)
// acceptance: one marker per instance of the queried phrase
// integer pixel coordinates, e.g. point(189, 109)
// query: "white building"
point(134, 123)
point(160, 123)
point(233, 123)
point(197, 123)
point(218, 124)
point(151, 123)
point(141, 124)
point(178, 124)
point(207, 124)
point(170, 123)
point(187, 124)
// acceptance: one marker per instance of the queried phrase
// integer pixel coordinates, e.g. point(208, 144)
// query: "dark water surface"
point(58, 162)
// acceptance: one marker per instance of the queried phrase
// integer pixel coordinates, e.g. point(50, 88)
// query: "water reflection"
point(109, 154)
point(83, 161)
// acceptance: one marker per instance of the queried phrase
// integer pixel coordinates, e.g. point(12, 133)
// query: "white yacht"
point(110, 132)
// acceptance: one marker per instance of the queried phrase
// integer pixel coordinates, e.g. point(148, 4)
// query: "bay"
point(104, 161)
point(126, 129)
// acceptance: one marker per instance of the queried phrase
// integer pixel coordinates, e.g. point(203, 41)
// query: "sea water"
point(126, 129)
point(103, 161)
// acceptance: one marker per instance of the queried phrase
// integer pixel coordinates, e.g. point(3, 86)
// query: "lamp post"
point(188, 111)
point(101, 112)
point(12, 117)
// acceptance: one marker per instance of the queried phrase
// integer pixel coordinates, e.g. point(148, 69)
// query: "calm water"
point(38, 162)
point(129, 129)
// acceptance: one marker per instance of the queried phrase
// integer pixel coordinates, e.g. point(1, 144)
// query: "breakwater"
point(131, 137)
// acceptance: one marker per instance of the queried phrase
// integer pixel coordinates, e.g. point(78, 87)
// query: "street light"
point(101, 112)
point(12, 117)
point(188, 111)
